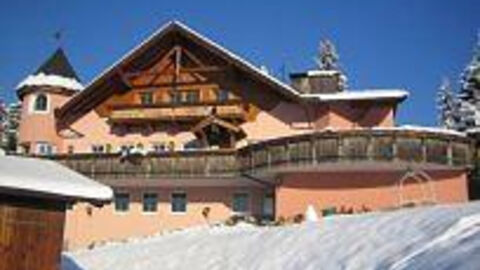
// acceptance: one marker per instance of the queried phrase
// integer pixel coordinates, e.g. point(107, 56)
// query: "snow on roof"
point(424, 129)
point(55, 71)
point(359, 95)
point(323, 72)
point(204, 39)
point(42, 79)
point(49, 177)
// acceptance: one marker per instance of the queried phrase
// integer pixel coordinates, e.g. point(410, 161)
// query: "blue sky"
point(407, 44)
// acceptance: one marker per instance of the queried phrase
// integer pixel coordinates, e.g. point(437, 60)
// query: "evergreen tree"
point(469, 95)
point(9, 127)
point(327, 58)
point(447, 106)
point(3, 120)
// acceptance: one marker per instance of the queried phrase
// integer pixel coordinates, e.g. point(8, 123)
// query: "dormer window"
point(40, 103)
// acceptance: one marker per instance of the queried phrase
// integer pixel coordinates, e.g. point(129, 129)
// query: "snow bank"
point(438, 237)
point(42, 79)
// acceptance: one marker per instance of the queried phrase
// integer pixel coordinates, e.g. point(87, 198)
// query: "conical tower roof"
point(58, 64)
point(56, 71)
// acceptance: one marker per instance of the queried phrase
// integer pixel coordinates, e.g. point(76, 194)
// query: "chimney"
point(318, 81)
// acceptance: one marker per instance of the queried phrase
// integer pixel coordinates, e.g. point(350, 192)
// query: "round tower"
point(54, 82)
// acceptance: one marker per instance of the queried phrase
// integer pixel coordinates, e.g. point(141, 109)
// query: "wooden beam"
point(160, 71)
point(124, 78)
point(170, 84)
point(178, 62)
point(182, 70)
point(193, 57)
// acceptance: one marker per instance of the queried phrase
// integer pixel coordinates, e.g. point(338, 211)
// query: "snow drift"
point(437, 237)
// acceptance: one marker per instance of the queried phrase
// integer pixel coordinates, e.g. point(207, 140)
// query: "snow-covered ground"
point(438, 237)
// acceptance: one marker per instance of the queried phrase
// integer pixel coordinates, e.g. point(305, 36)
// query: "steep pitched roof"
point(55, 71)
point(178, 26)
point(80, 100)
point(87, 99)
point(58, 64)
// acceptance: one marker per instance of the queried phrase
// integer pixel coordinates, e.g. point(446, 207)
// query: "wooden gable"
point(175, 59)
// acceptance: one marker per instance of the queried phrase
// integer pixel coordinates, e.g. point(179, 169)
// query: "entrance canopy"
point(44, 178)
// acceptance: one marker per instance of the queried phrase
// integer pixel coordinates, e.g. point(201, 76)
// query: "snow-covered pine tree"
point(11, 126)
point(327, 58)
point(469, 95)
point(447, 106)
point(3, 120)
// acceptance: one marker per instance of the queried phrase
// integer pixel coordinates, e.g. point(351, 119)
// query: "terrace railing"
point(388, 146)
point(381, 146)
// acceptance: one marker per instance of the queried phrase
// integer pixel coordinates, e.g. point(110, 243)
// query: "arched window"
point(40, 104)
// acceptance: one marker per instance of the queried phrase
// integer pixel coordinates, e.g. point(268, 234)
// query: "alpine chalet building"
point(188, 133)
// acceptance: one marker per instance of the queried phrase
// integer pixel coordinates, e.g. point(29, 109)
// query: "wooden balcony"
point(343, 150)
point(357, 150)
point(167, 112)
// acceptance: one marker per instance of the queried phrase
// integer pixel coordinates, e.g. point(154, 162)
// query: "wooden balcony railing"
point(415, 148)
point(179, 112)
point(186, 164)
point(313, 150)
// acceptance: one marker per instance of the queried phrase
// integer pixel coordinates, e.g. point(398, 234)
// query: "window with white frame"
point(44, 149)
point(146, 98)
point(192, 96)
point(150, 201)
point(40, 103)
point(268, 205)
point(176, 97)
point(159, 147)
point(98, 148)
point(222, 95)
point(122, 202)
point(179, 202)
point(240, 202)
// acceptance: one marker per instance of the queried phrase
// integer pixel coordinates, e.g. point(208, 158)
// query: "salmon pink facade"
point(359, 191)
point(188, 133)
